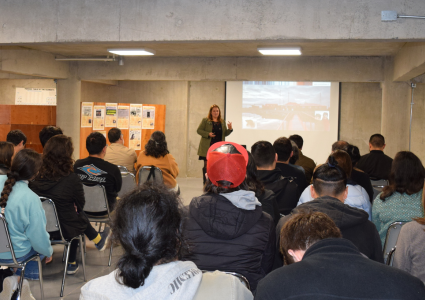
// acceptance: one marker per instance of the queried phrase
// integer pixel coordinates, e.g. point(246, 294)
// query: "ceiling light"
point(280, 51)
point(132, 51)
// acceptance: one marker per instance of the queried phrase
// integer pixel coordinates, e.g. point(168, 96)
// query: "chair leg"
point(85, 248)
point(40, 275)
point(21, 282)
point(64, 271)
point(100, 226)
point(110, 253)
point(83, 257)
point(64, 253)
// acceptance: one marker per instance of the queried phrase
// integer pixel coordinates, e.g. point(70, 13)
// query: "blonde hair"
point(219, 119)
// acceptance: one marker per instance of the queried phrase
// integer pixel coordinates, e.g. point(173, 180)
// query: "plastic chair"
point(96, 201)
point(150, 173)
point(377, 186)
point(128, 181)
point(53, 225)
point(6, 246)
point(241, 278)
point(391, 241)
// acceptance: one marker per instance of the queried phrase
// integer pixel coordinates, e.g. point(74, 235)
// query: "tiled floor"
point(96, 262)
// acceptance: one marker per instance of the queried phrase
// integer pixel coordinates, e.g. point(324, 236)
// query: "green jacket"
point(203, 130)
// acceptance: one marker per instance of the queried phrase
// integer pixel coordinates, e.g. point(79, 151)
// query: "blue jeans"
point(31, 269)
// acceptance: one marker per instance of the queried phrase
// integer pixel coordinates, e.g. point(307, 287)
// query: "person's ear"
point(345, 193)
point(370, 146)
point(275, 157)
point(383, 147)
point(313, 192)
point(297, 255)
point(292, 154)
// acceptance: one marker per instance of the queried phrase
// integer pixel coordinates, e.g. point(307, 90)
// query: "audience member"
point(18, 139)
point(358, 175)
point(339, 145)
point(376, 164)
point(330, 267)
point(6, 153)
point(329, 192)
point(285, 188)
point(57, 181)
point(266, 197)
point(283, 148)
point(226, 227)
point(47, 132)
point(304, 161)
point(94, 170)
point(117, 153)
point(401, 199)
point(156, 154)
point(25, 219)
point(410, 255)
point(356, 197)
point(147, 223)
point(294, 158)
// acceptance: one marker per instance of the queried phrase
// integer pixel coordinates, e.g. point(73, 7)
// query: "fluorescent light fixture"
point(133, 52)
point(280, 51)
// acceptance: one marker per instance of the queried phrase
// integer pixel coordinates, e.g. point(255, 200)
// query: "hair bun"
point(332, 162)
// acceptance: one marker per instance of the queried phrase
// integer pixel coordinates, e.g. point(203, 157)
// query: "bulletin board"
point(136, 121)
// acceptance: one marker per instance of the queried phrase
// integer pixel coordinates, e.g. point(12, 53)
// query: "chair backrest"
point(96, 200)
point(128, 183)
point(241, 279)
point(391, 240)
point(150, 173)
point(5, 241)
point(52, 218)
point(123, 169)
point(377, 186)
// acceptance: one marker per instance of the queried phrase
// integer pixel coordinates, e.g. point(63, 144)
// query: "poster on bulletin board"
point(123, 117)
point(148, 117)
point(135, 139)
point(111, 115)
point(87, 114)
point(99, 118)
point(136, 115)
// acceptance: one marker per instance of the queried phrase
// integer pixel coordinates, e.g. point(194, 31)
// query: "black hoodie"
point(224, 237)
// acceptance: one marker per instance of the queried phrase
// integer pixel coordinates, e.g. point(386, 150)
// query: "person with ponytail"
point(147, 223)
point(25, 218)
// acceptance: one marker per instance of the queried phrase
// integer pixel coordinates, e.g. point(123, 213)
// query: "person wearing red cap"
point(226, 227)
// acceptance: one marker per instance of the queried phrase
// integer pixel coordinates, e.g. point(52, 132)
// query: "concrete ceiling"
point(212, 49)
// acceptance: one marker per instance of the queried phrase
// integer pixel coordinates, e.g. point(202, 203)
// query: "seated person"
point(6, 153)
point(147, 223)
point(94, 170)
point(47, 132)
point(117, 153)
point(283, 148)
point(357, 196)
point(376, 164)
point(322, 265)
point(57, 181)
point(306, 162)
point(401, 200)
point(226, 226)
point(294, 158)
point(285, 188)
point(18, 139)
point(329, 193)
point(26, 220)
point(156, 154)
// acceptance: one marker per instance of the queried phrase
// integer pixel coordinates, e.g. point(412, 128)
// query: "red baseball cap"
point(227, 161)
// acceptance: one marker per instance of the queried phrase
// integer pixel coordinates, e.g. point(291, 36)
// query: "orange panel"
point(4, 130)
point(5, 114)
point(33, 115)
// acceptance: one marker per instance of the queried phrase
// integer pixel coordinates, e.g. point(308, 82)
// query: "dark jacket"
point(334, 269)
point(298, 175)
point(65, 193)
point(375, 164)
point(352, 222)
point(204, 128)
point(226, 238)
point(269, 204)
point(362, 179)
point(285, 189)
point(308, 165)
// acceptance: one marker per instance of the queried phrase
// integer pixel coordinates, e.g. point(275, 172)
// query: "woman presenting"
point(212, 130)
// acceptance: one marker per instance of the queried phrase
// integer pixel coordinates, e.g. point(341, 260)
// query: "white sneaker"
point(10, 284)
point(26, 292)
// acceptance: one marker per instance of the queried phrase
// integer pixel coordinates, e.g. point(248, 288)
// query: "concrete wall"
point(361, 106)
point(8, 87)
point(418, 122)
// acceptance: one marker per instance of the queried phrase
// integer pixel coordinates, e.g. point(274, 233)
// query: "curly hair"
point(157, 145)
point(25, 165)
point(57, 158)
point(148, 225)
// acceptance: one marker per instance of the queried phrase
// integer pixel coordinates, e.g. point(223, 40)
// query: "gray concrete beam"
point(409, 62)
point(107, 82)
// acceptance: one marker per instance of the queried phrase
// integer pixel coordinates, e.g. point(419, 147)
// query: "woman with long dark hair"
point(56, 180)
point(6, 153)
point(401, 200)
point(148, 225)
point(25, 217)
point(156, 154)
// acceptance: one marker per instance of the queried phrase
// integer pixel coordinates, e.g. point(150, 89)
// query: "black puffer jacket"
point(224, 237)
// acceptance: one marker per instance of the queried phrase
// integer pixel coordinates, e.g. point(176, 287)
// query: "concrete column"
point(395, 111)
point(68, 107)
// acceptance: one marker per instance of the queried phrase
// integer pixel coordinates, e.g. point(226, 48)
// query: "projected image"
point(286, 105)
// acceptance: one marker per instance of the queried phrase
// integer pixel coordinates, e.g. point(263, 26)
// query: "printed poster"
point(135, 139)
point(123, 117)
point(136, 115)
point(111, 115)
point(103, 132)
point(87, 114)
point(99, 118)
point(148, 117)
